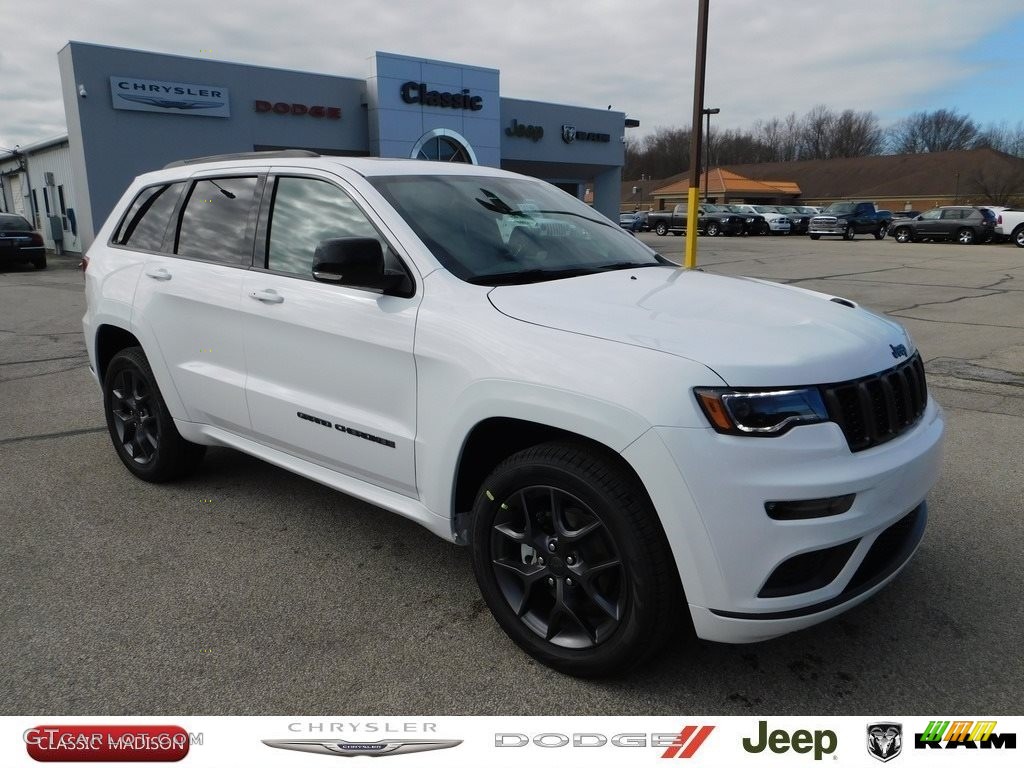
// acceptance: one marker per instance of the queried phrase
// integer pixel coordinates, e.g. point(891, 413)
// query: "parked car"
point(436, 339)
point(799, 219)
point(849, 219)
point(1010, 224)
point(19, 242)
point(953, 222)
point(711, 219)
point(905, 214)
point(776, 223)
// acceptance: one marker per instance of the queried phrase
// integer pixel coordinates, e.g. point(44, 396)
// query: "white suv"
point(625, 446)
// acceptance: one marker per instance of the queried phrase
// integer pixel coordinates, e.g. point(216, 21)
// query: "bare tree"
point(999, 187)
point(815, 133)
point(938, 131)
point(1003, 137)
point(855, 134)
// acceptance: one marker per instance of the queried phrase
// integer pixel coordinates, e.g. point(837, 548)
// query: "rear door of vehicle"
point(331, 374)
point(953, 220)
point(188, 296)
point(930, 223)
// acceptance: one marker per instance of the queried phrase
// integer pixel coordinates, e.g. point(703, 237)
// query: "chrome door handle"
point(158, 274)
point(267, 296)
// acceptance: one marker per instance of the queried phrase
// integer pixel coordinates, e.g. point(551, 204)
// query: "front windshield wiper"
point(541, 275)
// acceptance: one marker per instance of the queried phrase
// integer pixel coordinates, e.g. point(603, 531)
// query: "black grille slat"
point(877, 408)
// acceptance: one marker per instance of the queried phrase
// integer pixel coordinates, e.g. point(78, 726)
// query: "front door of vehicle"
point(331, 375)
point(929, 223)
point(188, 298)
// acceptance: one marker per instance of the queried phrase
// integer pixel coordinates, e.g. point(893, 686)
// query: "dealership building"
point(131, 111)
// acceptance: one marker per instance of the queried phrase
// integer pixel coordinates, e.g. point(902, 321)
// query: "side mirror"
point(357, 262)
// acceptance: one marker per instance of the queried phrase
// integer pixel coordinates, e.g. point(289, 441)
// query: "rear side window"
point(144, 225)
point(215, 221)
point(14, 223)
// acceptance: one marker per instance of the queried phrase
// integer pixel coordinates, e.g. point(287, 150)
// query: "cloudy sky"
point(765, 58)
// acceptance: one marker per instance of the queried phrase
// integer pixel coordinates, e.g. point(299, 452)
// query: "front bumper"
point(730, 549)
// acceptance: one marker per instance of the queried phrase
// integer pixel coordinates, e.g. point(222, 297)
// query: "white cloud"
point(765, 59)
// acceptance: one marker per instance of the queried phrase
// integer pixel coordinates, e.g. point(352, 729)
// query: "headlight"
point(763, 413)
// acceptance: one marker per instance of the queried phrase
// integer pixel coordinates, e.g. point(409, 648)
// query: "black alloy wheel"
point(140, 426)
point(903, 235)
point(572, 561)
point(965, 236)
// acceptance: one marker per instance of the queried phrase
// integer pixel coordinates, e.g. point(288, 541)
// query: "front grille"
point(877, 408)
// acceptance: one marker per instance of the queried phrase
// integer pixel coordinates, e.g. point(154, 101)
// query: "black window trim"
point(262, 239)
point(177, 215)
point(128, 210)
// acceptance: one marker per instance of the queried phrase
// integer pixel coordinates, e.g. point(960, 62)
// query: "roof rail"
point(244, 156)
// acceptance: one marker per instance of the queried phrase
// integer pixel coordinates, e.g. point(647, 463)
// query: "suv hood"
point(750, 332)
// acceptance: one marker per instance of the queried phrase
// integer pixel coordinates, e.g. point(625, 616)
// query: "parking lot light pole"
point(707, 143)
point(693, 193)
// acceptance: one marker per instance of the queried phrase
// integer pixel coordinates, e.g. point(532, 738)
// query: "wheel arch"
point(494, 439)
point(111, 339)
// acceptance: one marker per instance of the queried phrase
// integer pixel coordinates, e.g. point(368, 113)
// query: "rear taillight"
point(37, 239)
point(999, 219)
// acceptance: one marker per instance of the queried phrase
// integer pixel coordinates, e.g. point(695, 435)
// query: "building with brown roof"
point(896, 182)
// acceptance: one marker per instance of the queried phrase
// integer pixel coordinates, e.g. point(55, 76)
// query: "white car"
point(778, 223)
point(625, 446)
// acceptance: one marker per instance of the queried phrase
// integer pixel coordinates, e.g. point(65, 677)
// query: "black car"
point(20, 242)
point(800, 220)
point(717, 220)
point(953, 222)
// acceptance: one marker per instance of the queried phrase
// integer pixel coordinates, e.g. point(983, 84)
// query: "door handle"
point(159, 273)
point(267, 296)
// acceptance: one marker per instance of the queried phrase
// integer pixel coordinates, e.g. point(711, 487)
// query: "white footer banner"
point(941, 740)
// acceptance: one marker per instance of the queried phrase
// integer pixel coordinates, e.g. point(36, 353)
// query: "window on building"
point(148, 217)
point(215, 221)
point(444, 148)
point(63, 207)
point(46, 200)
point(304, 212)
point(35, 210)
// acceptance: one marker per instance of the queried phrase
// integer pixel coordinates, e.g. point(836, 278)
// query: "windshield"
point(764, 209)
point(738, 209)
point(496, 231)
point(840, 208)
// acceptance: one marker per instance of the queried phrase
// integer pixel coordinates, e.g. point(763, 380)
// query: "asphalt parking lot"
point(247, 590)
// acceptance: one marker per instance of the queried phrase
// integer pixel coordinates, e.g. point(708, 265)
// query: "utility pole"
point(690, 258)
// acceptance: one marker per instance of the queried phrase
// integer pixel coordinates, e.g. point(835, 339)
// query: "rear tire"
point(1018, 236)
point(903, 235)
point(815, 237)
point(141, 428)
point(572, 560)
point(661, 228)
point(39, 262)
point(965, 236)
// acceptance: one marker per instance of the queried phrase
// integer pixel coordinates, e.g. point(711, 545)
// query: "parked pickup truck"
point(1010, 223)
point(849, 219)
point(711, 219)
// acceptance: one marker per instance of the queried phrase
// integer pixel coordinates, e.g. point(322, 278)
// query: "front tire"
point(661, 229)
point(141, 428)
point(572, 561)
point(815, 237)
point(880, 234)
point(849, 233)
point(713, 230)
point(903, 235)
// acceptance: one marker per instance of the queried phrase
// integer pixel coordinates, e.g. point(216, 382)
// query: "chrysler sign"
point(145, 95)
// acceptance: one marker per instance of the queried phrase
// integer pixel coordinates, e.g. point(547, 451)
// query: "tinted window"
point(14, 223)
point(934, 213)
point(215, 221)
point(304, 212)
point(144, 225)
point(497, 230)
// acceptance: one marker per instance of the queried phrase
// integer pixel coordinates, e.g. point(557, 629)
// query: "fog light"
point(807, 509)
